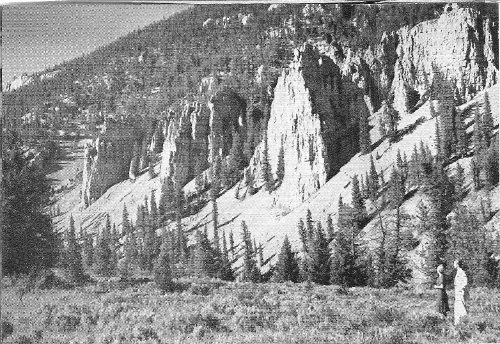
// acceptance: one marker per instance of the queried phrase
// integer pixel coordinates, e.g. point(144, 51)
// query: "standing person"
point(460, 285)
point(442, 307)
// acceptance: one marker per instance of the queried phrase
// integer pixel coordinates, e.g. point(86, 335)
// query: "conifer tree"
point(232, 248)
point(468, 240)
point(115, 245)
point(87, 251)
point(319, 262)
point(287, 268)
point(438, 142)
point(364, 133)
point(149, 234)
point(73, 258)
point(166, 202)
point(163, 267)
point(487, 122)
point(477, 133)
point(330, 230)
point(309, 228)
point(357, 201)
point(345, 261)
point(280, 170)
point(103, 251)
point(267, 176)
point(373, 185)
point(475, 170)
point(461, 134)
point(226, 272)
point(490, 165)
point(130, 248)
point(302, 233)
point(250, 271)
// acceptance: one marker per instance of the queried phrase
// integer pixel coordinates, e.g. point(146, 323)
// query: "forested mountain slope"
point(260, 113)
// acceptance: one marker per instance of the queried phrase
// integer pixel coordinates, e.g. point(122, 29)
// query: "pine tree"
point(130, 247)
point(250, 271)
point(280, 170)
point(438, 142)
point(468, 240)
point(163, 268)
point(461, 134)
point(393, 120)
point(477, 133)
point(166, 202)
point(309, 229)
point(319, 262)
point(373, 185)
point(149, 234)
point(286, 268)
point(475, 170)
point(346, 269)
point(357, 201)
point(115, 245)
point(73, 258)
point(87, 251)
point(487, 122)
point(490, 165)
point(226, 272)
point(330, 230)
point(232, 248)
point(364, 133)
point(103, 251)
point(302, 233)
point(266, 173)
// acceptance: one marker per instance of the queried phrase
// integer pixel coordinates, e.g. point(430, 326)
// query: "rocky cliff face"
point(203, 129)
point(107, 159)
point(314, 118)
point(460, 45)
point(186, 142)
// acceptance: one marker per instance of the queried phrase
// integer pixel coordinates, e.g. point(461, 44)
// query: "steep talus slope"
point(460, 44)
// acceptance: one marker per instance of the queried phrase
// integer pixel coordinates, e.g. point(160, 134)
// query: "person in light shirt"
point(460, 290)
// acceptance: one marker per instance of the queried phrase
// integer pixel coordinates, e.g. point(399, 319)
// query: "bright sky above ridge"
point(39, 35)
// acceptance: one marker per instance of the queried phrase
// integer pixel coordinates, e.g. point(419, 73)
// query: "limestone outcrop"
point(460, 45)
point(107, 158)
point(202, 130)
point(314, 118)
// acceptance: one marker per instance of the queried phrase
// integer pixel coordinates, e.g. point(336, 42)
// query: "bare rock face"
point(186, 142)
point(314, 118)
point(201, 131)
point(107, 159)
point(459, 45)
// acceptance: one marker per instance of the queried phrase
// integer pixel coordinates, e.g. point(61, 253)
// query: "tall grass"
point(218, 312)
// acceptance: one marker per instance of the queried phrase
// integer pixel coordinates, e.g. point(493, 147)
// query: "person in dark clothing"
point(442, 306)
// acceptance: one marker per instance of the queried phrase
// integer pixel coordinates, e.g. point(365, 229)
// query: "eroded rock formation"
point(314, 117)
point(459, 45)
point(107, 159)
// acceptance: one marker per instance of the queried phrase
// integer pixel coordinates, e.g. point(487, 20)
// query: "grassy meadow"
point(217, 312)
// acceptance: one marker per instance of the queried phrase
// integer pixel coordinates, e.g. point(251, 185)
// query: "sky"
point(40, 35)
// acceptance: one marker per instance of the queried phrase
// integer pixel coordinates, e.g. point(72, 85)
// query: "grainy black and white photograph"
point(250, 173)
